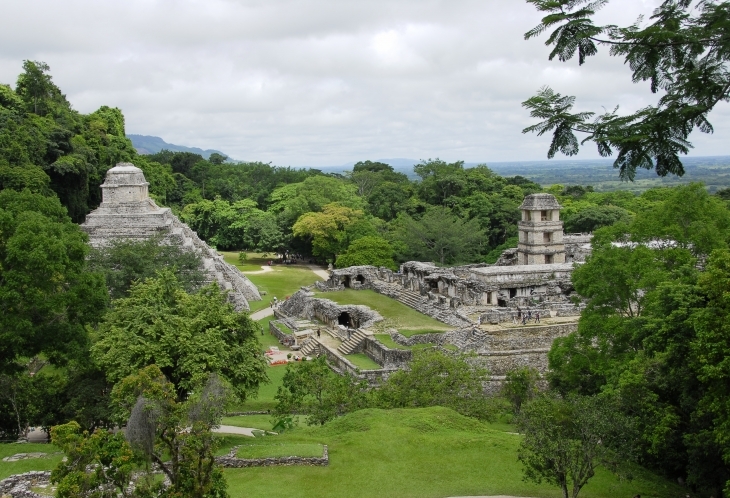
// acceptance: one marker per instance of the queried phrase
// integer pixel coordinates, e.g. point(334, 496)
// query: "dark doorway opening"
point(346, 283)
point(502, 303)
point(434, 285)
point(512, 293)
point(360, 279)
point(346, 320)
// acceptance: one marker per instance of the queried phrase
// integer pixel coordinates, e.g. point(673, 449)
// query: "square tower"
point(540, 231)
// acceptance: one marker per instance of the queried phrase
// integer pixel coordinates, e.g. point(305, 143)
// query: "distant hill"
point(146, 144)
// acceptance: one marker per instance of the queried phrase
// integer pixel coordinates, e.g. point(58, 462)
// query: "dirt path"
point(264, 269)
point(261, 314)
point(323, 274)
point(232, 429)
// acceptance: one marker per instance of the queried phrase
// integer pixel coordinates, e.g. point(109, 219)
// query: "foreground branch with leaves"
point(683, 52)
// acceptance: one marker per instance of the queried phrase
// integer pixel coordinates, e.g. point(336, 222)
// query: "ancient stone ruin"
point(484, 303)
point(127, 212)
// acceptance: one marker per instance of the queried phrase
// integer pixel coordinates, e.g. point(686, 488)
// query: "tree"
point(565, 440)
point(35, 86)
point(683, 54)
point(312, 387)
point(520, 386)
point(367, 251)
point(175, 435)
point(332, 229)
point(290, 202)
point(437, 379)
point(652, 334)
point(440, 236)
point(124, 262)
point(46, 293)
point(593, 217)
point(98, 465)
point(188, 336)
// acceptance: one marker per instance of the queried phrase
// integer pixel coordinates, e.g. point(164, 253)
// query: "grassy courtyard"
point(397, 315)
point(280, 282)
point(48, 462)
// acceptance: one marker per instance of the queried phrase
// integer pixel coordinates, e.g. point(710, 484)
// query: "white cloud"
point(320, 82)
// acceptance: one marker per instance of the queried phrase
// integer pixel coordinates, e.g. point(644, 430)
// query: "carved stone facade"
point(127, 212)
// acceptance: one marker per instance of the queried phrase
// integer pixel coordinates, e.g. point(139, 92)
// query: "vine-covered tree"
point(683, 53)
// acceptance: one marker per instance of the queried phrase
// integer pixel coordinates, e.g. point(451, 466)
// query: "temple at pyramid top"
point(128, 212)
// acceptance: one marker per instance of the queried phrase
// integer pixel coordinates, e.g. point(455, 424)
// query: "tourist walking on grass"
point(537, 317)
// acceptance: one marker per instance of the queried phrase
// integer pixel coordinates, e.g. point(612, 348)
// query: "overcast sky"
point(321, 82)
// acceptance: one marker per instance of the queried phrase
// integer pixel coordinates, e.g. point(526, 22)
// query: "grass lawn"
point(431, 452)
point(284, 328)
point(254, 262)
point(396, 314)
point(363, 361)
point(265, 399)
point(387, 341)
point(280, 450)
point(282, 281)
point(48, 462)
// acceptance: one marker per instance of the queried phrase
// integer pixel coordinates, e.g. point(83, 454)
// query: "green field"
point(49, 462)
point(265, 399)
point(396, 314)
point(282, 281)
point(363, 361)
point(430, 452)
point(427, 452)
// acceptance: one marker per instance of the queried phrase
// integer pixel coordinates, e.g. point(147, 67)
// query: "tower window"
point(548, 259)
point(543, 215)
point(547, 237)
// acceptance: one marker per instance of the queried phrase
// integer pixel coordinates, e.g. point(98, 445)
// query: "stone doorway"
point(345, 319)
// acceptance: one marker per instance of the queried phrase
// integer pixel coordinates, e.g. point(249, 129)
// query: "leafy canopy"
point(682, 52)
point(188, 336)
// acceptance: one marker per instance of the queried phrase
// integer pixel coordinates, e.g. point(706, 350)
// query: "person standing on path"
point(318, 334)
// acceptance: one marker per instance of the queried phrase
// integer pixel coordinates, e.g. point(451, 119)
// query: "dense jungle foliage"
point(653, 339)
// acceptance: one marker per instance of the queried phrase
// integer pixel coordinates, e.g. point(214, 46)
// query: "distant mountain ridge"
point(147, 144)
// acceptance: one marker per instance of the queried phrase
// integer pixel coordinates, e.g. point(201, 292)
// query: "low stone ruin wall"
point(384, 356)
point(232, 461)
point(344, 366)
point(500, 351)
point(281, 336)
point(19, 485)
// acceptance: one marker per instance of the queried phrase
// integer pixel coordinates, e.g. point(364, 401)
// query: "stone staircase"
point(421, 304)
point(310, 347)
point(353, 343)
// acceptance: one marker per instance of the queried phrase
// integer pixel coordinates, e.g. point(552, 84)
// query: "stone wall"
point(500, 351)
point(281, 336)
point(384, 356)
point(231, 461)
point(303, 304)
point(343, 366)
point(19, 485)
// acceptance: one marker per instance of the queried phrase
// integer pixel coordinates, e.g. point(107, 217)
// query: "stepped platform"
point(127, 212)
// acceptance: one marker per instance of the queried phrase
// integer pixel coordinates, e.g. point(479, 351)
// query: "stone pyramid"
point(127, 212)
